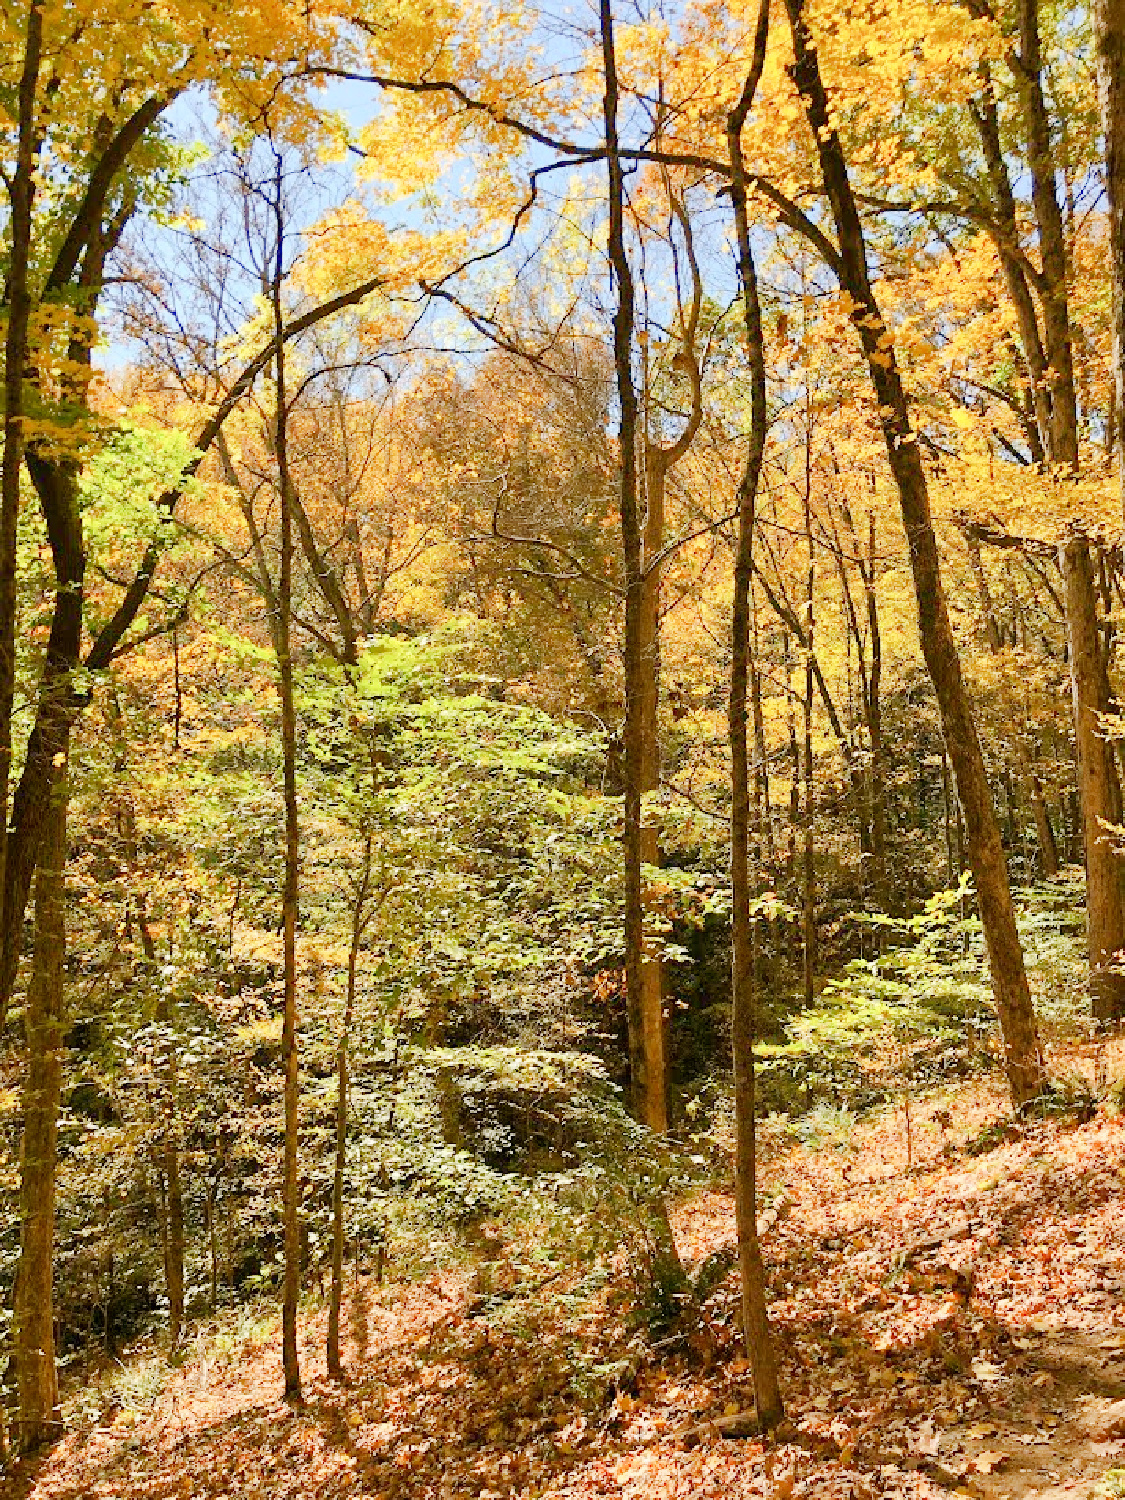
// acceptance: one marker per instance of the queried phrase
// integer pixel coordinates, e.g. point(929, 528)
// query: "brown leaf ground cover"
point(952, 1326)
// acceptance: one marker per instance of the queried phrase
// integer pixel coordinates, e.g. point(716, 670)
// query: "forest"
point(562, 735)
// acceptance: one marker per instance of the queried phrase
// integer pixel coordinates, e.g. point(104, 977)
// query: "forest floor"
point(957, 1325)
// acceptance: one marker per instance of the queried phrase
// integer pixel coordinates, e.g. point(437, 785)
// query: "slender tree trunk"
point(359, 920)
point(797, 625)
point(1044, 831)
point(623, 323)
point(808, 882)
point(175, 1244)
point(1038, 411)
point(659, 461)
point(336, 1294)
point(39, 1418)
point(755, 1320)
point(1052, 239)
point(653, 1109)
point(761, 757)
point(1109, 40)
point(947, 801)
point(1105, 900)
point(1022, 1058)
point(291, 1208)
point(171, 1189)
point(874, 712)
point(1011, 811)
point(808, 893)
point(794, 766)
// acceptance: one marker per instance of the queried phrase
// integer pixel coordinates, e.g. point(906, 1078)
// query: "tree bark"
point(1007, 239)
point(175, 1243)
point(874, 713)
point(1097, 771)
point(291, 1208)
point(632, 760)
point(1009, 979)
point(1109, 41)
point(56, 483)
point(172, 1239)
point(1044, 830)
point(21, 198)
point(653, 1109)
point(336, 1291)
point(1052, 240)
point(39, 1418)
point(659, 461)
point(763, 809)
point(755, 1319)
point(1044, 833)
point(808, 883)
point(336, 1295)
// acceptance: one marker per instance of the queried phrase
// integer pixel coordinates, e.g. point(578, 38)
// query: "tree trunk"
point(874, 713)
point(1037, 420)
point(56, 482)
point(1105, 905)
point(39, 1418)
point(1009, 979)
point(291, 1208)
point(1044, 831)
point(808, 884)
point(659, 461)
point(947, 801)
point(653, 1109)
point(1109, 40)
point(172, 1198)
point(21, 198)
point(762, 804)
point(632, 760)
point(174, 1245)
point(755, 1320)
point(336, 1293)
point(1052, 239)
point(359, 922)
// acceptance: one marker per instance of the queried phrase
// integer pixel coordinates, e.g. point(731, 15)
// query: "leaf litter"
point(953, 1327)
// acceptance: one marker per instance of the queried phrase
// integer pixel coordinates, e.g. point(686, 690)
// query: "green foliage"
point(921, 1010)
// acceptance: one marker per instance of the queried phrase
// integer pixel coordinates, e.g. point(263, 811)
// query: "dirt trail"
point(954, 1326)
point(1063, 1432)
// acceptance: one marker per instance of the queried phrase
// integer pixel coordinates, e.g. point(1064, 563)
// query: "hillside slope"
point(958, 1325)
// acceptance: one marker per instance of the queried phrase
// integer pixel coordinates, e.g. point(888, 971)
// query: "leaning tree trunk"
point(755, 1319)
point(37, 1384)
point(1022, 1058)
point(1105, 897)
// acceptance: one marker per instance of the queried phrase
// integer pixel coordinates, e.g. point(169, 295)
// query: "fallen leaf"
point(989, 1460)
